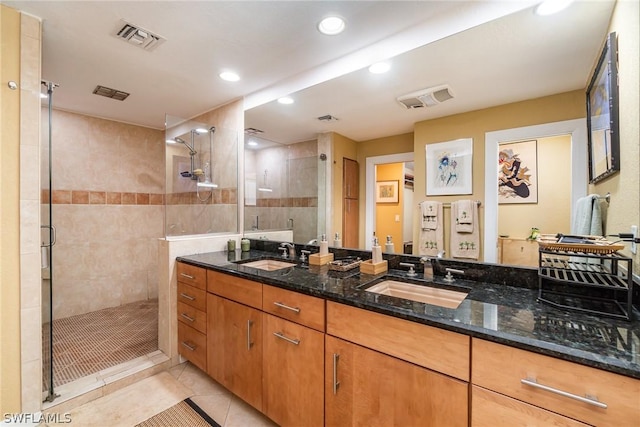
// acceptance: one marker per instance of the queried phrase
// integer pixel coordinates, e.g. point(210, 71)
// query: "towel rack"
point(448, 205)
point(606, 198)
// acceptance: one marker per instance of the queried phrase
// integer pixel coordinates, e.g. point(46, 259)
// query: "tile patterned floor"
point(140, 401)
point(88, 343)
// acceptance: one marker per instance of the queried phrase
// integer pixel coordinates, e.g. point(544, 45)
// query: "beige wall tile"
point(31, 386)
point(29, 172)
point(30, 280)
point(30, 226)
point(30, 27)
point(31, 326)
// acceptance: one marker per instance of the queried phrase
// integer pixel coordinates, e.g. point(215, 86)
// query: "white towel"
point(464, 214)
point(429, 211)
point(587, 216)
point(431, 241)
point(464, 244)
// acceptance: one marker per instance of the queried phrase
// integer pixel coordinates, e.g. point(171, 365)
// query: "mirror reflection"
point(479, 65)
point(284, 187)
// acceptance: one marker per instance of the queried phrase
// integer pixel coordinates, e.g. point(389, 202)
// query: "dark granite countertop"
point(499, 312)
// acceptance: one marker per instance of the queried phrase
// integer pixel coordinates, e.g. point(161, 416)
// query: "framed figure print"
point(518, 172)
point(449, 167)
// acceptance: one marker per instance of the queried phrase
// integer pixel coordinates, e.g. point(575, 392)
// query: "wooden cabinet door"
point(293, 373)
point(350, 223)
point(367, 388)
point(234, 341)
point(350, 173)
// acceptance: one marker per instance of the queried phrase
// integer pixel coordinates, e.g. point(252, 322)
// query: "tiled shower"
point(107, 202)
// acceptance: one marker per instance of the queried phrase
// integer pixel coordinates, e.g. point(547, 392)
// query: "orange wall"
point(386, 213)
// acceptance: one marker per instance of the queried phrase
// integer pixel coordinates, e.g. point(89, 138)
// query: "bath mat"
point(184, 414)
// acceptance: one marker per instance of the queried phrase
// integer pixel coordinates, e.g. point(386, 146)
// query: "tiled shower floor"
point(88, 343)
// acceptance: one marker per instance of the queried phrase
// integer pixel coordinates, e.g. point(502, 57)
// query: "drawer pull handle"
point(189, 318)
point(249, 343)
point(189, 346)
point(589, 399)
point(285, 306)
point(282, 337)
point(188, 276)
point(336, 383)
point(189, 297)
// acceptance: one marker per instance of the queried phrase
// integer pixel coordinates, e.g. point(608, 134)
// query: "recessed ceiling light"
point(170, 141)
point(379, 67)
point(252, 143)
point(285, 100)
point(229, 76)
point(331, 25)
point(549, 7)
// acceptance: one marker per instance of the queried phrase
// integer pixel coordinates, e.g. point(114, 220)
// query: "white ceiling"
point(510, 55)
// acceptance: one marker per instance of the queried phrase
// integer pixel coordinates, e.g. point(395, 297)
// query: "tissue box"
point(368, 267)
point(317, 259)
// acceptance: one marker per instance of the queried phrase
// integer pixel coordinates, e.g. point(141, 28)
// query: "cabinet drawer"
point(502, 369)
point(433, 348)
point(193, 317)
point(192, 345)
point(192, 275)
point(236, 289)
point(493, 409)
point(194, 297)
point(299, 308)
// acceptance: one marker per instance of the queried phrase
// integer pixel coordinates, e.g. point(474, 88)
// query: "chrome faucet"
point(292, 249)
point(412, 271)
point(431, 264)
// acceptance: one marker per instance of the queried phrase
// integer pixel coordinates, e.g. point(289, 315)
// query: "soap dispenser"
point(324, 245)
point(376, 252)
point(388, 247)
point(337, 243)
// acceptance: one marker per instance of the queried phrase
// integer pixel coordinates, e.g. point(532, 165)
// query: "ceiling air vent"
point(253, 131)
point(110, 93)
point(137, 36)
point(328, 118)
point(426, 97)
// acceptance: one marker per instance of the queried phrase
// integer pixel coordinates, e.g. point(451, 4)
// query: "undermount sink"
point(419, 293)
point(269, 264)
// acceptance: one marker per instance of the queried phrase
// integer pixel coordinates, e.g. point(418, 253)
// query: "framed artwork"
point(387, 192)
point(518, 172)
point(602, 115)
point(450, 167)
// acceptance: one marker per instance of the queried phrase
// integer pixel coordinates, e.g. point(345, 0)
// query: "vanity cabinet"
point(235, 348)
point(365, 387)
point(578, 392)
point(381, 370)
point(293, 373)
point(192, 306)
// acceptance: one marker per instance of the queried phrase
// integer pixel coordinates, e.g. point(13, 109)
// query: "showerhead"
point(182, 141)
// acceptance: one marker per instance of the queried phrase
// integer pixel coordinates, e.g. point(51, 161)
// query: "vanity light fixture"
point(379, 68)
point(549, 7)
point(170, 141)
point(331, 25)
point(200, 131)
point(229, 76)
point(285, 100)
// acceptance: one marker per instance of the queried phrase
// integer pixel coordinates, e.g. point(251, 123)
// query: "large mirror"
point(485, 67)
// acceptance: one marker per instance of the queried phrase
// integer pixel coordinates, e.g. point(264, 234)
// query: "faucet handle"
point(412, 271)
point(303, 256)
point(284, 251)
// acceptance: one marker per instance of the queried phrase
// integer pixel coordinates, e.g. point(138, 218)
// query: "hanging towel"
point(464, 244)
point(464, 215)
point(429, 210)
point(431, 240)
point(587, 216)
